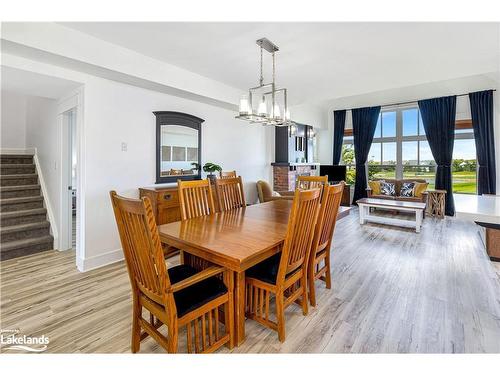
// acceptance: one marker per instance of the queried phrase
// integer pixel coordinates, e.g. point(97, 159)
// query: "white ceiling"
point(316, 61)
point(34, 84)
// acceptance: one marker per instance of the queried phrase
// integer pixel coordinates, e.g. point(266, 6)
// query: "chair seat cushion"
point(194, 296)
point(267, 270)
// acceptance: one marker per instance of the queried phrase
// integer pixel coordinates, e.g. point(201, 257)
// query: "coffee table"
point(366, 203)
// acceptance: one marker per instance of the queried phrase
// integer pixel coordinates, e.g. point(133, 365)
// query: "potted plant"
point(210, 168)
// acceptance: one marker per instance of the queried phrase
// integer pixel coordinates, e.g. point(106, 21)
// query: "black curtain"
point(481, 105)
point(364, 122)
point(438, 116)
point(338, 134)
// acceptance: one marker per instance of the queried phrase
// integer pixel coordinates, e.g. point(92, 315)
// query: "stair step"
point(16, 159)
point(24, 247)
point(19, 179)
point(19, 191)
point(11, 169)
point(24, 231)
point(23, 216)
point(23, 203)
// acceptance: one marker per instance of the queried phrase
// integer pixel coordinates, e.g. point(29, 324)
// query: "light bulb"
point(262, 110)
point(244, 106)
point(276, 112)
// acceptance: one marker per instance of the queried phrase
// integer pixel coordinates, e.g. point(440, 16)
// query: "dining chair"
point(323, 234)
point(227, 174)
point(311, 182)
point(230, 193)
point(195, 198)
point(176, 297)
point(284, 274)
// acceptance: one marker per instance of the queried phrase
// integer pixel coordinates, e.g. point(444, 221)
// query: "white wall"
point(310, 115)
point(43, 134)
point(116, 113)
point(13, 128)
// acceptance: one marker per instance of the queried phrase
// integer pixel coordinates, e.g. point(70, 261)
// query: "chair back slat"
point(230, 193)
point(195, 198)
point(141, 246)
point(227, 174)
point(311, 182)
point(332, 195)
point(300, 230)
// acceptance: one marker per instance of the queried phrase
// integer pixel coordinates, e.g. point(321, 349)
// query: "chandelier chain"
point(261, 81)
point(274, 69)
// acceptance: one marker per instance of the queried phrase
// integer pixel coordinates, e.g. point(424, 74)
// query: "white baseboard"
point(17, 151)
point(100, 260)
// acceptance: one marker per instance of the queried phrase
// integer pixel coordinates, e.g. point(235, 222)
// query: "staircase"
point(24, 228)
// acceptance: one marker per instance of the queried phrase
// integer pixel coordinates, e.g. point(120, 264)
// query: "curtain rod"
point(415, 101)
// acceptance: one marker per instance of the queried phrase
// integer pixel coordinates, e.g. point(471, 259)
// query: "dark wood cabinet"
point(293, 148)
point(346, 196)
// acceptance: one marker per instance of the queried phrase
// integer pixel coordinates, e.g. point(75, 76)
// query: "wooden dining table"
point(236, 239)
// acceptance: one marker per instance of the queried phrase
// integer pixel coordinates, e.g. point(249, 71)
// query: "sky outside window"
point(389, 124)
point(410, 122)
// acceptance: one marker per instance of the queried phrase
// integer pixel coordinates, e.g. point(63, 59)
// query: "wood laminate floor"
point(394, 291)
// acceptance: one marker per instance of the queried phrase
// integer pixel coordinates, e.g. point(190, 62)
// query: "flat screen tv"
point(335, 173)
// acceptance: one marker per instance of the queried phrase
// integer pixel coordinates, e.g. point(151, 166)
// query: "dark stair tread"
point(23, 227)
point(15, 165)
point(20, 200)
point(33, 211)
point(19, 187)
point(15, 176)
point(8, 246)
point(17, 156)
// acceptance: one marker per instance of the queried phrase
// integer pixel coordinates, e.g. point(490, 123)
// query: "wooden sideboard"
point(165, 202)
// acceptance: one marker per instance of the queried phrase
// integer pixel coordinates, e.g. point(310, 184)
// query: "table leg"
point(418, 219)
point(239, 308)
point(362, 213)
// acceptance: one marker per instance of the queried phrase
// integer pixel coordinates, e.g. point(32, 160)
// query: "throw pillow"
point(419, 188)
point(407, 189)
point(388, 188)
point(375, 186)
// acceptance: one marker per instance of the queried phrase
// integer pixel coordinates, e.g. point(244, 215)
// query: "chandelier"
point(266, 104)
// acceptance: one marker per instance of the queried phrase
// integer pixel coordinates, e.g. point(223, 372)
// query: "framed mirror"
point(178, 147)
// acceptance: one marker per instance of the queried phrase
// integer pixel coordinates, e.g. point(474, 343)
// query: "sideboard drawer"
point(168, 198)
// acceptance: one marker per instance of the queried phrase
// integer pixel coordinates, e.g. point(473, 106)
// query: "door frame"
point(72, 101)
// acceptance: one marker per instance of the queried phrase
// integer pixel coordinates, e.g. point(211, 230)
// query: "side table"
point(436, 203)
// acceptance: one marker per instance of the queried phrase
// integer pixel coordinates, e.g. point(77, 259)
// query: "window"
point(382, 157)
point(464, 166)
point(400, 149)
point(347, 158)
